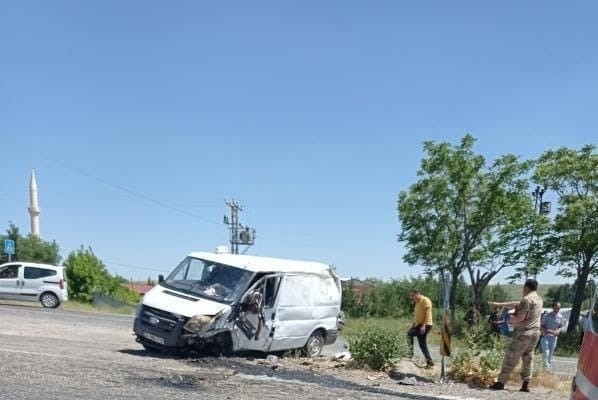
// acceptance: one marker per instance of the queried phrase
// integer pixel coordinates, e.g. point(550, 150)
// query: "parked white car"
point(27, 281)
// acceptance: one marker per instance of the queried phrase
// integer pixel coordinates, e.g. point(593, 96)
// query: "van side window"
point(9, 272)
point(271, 291)
point(37, 273)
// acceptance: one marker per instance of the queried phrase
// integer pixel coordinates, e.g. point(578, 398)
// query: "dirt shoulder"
point(408, 380)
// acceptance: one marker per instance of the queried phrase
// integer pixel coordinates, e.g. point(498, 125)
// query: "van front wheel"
point(314, 345)
point(49, 300)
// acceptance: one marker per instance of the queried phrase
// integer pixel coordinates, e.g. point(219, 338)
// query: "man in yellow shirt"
point(422, 324)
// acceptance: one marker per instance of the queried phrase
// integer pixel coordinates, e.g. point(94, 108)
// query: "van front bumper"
point(159, 328)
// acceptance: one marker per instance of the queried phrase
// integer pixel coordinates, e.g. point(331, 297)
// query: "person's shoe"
point(497, 386)
point(429, 364)
point(524, 387)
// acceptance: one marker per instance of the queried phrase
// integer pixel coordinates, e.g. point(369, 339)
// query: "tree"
point(31, 248)
point(561, 294)
point(464, 216)
point(87, 275)
point(573, 175)
point(494, 293)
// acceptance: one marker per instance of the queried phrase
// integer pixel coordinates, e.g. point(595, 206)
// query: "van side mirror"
point(160, 278)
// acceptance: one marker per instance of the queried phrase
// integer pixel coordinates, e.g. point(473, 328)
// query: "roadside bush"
point(377, 346)
point(87, 275)
point(479, 357)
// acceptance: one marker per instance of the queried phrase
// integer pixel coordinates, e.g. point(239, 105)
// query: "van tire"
point(49, 300)
point(314, 345)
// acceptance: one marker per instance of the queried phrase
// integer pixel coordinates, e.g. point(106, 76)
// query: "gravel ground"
point(55, 354)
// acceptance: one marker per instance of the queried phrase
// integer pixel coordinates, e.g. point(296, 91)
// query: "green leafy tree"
point(88, 275)
point(493, 293)
point(565, 294)
point(464, 216)
point(31, 248)
point(573, 175)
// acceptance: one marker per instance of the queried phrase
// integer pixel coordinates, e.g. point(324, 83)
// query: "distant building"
point(358, 287)
point(138, 287)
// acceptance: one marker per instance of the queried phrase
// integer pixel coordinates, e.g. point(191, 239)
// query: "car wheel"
point(314, 345)
point(49, 300)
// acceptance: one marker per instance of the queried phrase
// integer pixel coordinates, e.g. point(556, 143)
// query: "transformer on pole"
point(239, 234)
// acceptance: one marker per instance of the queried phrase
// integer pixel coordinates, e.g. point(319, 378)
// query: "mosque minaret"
point(33, 206)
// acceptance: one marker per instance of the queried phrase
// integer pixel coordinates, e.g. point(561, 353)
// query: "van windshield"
point(218, 282)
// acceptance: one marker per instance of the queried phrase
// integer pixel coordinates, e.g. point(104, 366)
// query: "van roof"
point(265, 264)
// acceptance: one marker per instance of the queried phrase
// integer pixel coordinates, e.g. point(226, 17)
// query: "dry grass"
point(551, 381)
point(541, 378)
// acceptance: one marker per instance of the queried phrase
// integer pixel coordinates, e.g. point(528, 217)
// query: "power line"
point(127, 190)
point(191, 214)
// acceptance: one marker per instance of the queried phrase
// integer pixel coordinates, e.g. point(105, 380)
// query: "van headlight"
point(197, 323)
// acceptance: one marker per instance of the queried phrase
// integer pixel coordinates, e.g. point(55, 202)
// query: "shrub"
point(479, 358)
point(377, 346)
point(87, 275)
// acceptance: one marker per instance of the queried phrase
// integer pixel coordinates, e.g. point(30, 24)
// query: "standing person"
point(422, 324)
point(537, 350)
point(506, 319)
point(472, 316)
point(526, 322)
point(495, 321)
point(551, 325)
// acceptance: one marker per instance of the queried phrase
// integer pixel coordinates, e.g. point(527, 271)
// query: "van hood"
point(181, 303)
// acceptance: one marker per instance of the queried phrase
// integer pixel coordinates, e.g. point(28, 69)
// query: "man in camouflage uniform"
point(526, 322)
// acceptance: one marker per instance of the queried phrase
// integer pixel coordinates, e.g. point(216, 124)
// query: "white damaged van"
point(225, 303)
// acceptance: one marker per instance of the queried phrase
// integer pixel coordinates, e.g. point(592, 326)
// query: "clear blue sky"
point(311, 114)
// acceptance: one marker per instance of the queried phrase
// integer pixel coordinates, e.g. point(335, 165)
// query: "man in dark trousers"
point(472, 316)
point(422, 324)
point(495, 320)
point(525, 337)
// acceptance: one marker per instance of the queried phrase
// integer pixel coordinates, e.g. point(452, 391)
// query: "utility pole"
point(239, 234)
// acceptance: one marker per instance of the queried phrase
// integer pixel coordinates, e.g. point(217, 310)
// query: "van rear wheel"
point(314, 345)
point(49, 300)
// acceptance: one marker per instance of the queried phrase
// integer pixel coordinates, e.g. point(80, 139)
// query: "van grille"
point(160, 319)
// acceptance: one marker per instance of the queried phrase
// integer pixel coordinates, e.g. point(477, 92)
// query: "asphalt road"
point(58, 354)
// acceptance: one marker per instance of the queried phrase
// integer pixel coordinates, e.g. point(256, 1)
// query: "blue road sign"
point(9, 246)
